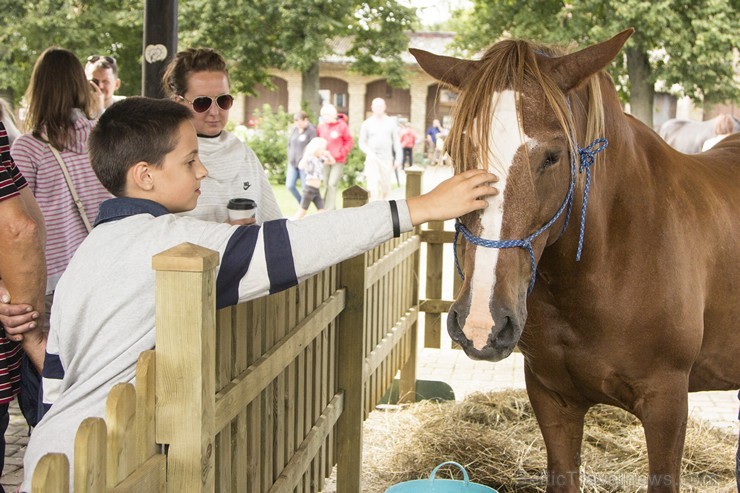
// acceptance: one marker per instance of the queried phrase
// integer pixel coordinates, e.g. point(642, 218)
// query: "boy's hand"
point(16, 319)
point(454, 197)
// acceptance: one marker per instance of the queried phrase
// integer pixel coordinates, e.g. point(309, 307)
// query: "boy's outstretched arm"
point(453, 197)
point(278, 255)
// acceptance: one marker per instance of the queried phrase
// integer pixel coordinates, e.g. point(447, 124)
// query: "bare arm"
point(23, 268)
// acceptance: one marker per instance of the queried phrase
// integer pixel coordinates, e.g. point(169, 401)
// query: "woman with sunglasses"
point(198, 79)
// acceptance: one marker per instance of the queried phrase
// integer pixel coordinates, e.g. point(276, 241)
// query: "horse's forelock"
point(511, 64)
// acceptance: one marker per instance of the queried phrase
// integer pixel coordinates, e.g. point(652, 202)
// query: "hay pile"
point(495, 436)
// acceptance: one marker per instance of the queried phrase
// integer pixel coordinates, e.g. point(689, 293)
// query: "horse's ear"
point(450, 70)
point(570, 70)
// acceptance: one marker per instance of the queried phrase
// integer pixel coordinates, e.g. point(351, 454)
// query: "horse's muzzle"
point(502, 338)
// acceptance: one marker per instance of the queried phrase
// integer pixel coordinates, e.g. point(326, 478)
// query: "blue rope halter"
point(587, 157)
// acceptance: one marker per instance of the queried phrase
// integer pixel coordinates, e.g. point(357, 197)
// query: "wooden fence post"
point(185, 364)
point(407, 383)
point(351, 359)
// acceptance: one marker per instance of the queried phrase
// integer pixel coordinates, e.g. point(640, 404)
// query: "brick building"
point(352, 93)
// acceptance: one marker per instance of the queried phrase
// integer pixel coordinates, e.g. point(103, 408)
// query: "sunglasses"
point(202, 103)
point(95, 58)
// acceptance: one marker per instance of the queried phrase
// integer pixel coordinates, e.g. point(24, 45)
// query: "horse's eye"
point(551, 158)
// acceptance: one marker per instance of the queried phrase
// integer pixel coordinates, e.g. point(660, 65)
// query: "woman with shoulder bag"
point(53, 156)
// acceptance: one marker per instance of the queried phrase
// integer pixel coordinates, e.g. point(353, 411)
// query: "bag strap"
point(72, 190)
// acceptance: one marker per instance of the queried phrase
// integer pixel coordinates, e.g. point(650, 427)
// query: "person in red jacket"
point(408, 140)
point(339, 143)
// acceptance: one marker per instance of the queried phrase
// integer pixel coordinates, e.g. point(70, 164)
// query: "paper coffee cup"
point(241, 208)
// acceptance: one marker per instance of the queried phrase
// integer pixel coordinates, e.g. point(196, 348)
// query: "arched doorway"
point(336, 92)
point(397, 101)
point(275, 97)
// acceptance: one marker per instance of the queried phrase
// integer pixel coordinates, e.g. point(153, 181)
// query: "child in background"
point(314, 158)
point(408, 140)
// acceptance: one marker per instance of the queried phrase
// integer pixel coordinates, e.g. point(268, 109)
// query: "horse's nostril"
point(454, 329)
point(506, 337)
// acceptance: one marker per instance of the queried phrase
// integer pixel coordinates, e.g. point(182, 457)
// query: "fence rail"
point(262, 397)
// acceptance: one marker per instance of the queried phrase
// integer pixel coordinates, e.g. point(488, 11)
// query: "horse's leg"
point(663, 415)
point(561, 424)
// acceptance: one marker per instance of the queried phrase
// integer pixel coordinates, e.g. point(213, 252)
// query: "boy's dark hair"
point(176, 74)
point(132, 130)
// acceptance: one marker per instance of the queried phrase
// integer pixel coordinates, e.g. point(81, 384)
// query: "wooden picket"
point(116, 454)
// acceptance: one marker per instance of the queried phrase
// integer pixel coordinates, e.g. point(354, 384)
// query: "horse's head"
point(514, 117)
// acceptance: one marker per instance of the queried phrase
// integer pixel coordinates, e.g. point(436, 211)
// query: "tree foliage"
point(92, 27)
point(263, 34)
point(683, 42)
point(254, 35)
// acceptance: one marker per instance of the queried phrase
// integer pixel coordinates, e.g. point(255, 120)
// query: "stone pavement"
point(16, 438)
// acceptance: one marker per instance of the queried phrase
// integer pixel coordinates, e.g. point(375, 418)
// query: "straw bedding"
point(495, 436)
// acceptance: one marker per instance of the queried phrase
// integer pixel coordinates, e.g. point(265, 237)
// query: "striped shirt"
point(233, 171)
point(64, 227)
point(11, 183)
point(11, 179)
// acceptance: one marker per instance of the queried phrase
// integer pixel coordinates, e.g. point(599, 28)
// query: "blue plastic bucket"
point(433, 485)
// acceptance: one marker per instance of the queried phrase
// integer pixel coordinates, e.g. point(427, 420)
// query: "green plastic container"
point(433, 485)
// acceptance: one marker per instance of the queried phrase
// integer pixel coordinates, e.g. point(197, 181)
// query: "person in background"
point(408, 140)
point(431, 140)
point(198, 79)
point(724, 127)
point(103, 72)
point(23, 273)
point(60, 117)
point(339, 143)
point(379, 140)
point(300, 135)
point(315, 157)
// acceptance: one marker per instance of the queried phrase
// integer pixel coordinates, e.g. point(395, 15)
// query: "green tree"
point(262, 34)
point(102, 27)
point(254, 36)
point(683, 42)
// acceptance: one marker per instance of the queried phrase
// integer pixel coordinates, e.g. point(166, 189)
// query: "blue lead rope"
point(587, 157)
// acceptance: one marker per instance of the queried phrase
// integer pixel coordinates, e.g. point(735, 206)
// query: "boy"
point(145, 152)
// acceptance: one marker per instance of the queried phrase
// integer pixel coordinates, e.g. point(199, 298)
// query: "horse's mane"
point(509, 64)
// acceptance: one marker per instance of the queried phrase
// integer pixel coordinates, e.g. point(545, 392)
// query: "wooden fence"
point(265, 396)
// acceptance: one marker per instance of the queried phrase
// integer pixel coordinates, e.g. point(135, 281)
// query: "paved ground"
point(16, 438)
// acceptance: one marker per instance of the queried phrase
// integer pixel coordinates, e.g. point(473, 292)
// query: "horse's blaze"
point(505, 138)
point(479, 322)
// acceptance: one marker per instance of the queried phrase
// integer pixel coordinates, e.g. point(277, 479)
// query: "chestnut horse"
point(651, 311)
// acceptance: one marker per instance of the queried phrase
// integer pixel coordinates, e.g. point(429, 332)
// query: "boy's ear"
point(141, 176)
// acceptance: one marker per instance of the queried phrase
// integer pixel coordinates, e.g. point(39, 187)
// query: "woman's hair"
point(58, 85)
point(176, 75)
point(313, 146)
